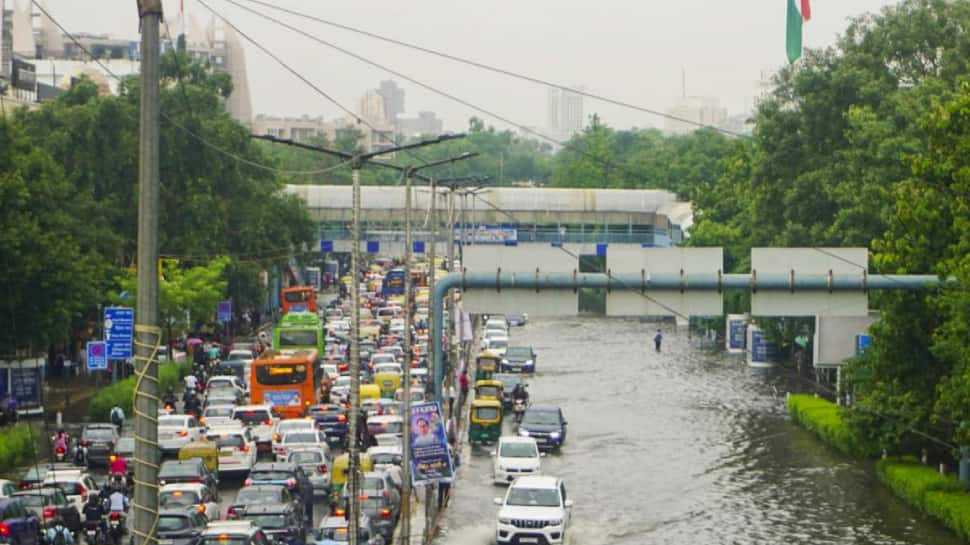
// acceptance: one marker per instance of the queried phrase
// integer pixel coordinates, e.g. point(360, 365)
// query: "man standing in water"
point(657, 339)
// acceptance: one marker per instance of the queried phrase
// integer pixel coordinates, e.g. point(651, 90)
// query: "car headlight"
point(524, 433)
point(505, 361)
point(529, 362)
point(554, 435)
point(504, 521)
point(555, 522)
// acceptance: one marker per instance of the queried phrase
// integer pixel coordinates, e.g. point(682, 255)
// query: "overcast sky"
point(631, 50)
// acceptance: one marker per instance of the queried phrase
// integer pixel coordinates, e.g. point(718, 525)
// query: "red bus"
point(298, 299)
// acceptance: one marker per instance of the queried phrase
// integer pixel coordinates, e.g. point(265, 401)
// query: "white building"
point(693, 112)
point(564, 112)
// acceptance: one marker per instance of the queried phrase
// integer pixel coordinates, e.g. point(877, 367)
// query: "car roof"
point(536, 481)
point(269, 508)
point(253, 408)
point(227, 427)
point(230, 526)
point(516, 439)
point(275, 466)
point(385, 449)
point(385, 418)
point(191, 461)
point(181, 486)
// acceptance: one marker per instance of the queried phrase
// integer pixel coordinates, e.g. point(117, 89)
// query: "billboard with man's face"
point(430, 459)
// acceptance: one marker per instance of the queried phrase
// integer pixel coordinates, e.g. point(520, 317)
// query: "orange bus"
point(286, 380)
point(298, 299)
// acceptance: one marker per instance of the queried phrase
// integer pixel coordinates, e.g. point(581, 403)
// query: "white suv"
point(237, 448)
point(515, 457)
point(534, 510)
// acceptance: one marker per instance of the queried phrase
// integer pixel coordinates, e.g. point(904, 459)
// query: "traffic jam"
point(255, 446)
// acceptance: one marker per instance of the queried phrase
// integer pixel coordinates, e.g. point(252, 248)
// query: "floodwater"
point(682, 447)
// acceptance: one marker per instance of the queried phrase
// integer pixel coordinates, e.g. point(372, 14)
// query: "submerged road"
point(682, 447)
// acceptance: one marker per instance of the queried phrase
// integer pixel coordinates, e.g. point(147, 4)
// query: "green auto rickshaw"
point(486, 365)
point(485, 421)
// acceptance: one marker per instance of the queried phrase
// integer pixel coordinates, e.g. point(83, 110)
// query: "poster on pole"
point(737, 333)
point(430, 460)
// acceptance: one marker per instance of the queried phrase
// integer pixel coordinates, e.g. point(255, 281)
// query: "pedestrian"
point(657, 339)
point(451, 398)
point(463, 382)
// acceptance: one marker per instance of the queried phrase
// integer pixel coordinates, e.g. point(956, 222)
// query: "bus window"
point(298, 337)
point(279, 374)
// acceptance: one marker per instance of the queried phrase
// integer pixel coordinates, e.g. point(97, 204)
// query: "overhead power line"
point(494, 69)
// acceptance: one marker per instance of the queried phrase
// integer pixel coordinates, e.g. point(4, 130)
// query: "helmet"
point(112, 458)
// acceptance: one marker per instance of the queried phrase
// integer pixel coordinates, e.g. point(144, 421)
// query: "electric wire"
point(167, 117)
point(495, 69)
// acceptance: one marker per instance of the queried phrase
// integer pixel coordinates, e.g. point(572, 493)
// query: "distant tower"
point(240, 104)
point(571, 119)
point(393, 97)
point(552, 110)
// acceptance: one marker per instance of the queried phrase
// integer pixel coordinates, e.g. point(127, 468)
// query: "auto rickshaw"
point(388, 382)
point(485, 421)
point(206, 450)
point(338, 477)
point(487, 363)
point(488, 389)
point(370, 391)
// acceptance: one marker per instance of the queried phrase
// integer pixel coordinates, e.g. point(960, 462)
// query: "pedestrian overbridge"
point(503, 215)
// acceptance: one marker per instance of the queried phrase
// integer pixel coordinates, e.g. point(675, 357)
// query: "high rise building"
point(371, 108)
point(425, 123)
point(552, 109)
point(564, 112)
point(393, 100)
point(692, 112)
point(6, 42)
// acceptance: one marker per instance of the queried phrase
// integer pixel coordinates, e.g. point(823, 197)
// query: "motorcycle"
point(518, 407)
point(94, 532)
point(116, 527)
point(81, 454)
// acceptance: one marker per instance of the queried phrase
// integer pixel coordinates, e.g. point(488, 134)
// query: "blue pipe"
point(538, 280)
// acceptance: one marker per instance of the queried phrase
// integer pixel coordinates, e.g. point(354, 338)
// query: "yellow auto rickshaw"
point(488, 389)
point(485, 421)
point(370, 391)
point(388, 382)
point(486, 365)
point(208, 451)
point(338, 477)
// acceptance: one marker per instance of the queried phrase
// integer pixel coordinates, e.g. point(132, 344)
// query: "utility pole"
point(148, 335)
point(428, 492)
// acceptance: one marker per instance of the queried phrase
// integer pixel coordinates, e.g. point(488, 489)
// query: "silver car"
point(316, 463)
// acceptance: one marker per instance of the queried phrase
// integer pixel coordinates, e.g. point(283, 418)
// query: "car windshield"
point(294, 425)
point(270, 475)
point(268, 522)
point(172, 523)
point(227, 440)
point(306, 457)
point(518, 352)
point(533, 497)
point(372, 483)
point(518, 450)
point(300, 437)
point(33, 500)
point(253, 495)
point(178, 498)
point(332, 534)
point(498, 343)
point(218, 411)
point(98, 434)
point(220, 384)
point(385, 427)
point(178, 470)
point(69, 487)
point(249, 416)
point(386, 458)
point(541, 418)
point(171, 421)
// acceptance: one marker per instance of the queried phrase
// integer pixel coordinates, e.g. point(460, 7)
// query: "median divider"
point(120, 393)
point(942, 497)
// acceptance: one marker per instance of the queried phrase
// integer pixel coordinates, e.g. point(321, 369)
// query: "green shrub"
point(16, 446)
point(911, 480)
point(950, 508)
point(823, 418)
point(120, 393)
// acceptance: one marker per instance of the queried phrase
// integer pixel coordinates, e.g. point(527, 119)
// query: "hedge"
point(121, 392)
point(16, 446)
point(939, 496)
point(822, 418)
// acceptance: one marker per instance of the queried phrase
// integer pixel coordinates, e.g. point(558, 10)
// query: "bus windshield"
point(280, 374)
point(298, 337)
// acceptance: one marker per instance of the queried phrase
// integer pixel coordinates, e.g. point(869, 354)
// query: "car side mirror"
point(564, 422)
point(497, 501)
point(567, 504)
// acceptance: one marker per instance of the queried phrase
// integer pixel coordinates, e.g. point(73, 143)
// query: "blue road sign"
point(224, 311)
point(373, 246)
point(97, 356)
point(326, 246)
point(417, 246)
point(119, 328)
point(862, 341)
point(601, 250)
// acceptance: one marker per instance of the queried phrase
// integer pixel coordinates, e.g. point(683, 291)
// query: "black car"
point(287, 474)
point(187, 471)
point(100, 440)
point(258, 494)
point(281, 522)
point(518, 359)
point(546, 425)
point(180, 526)
point(380, 508)
point(331, 419)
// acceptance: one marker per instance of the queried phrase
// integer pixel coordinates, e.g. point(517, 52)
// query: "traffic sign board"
point(97, 356)
point(119, 328)
point(224, 311)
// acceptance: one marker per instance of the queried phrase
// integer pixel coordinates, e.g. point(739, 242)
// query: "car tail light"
point(387, 494)
point(267, 422)
point(385, 513)
point(49, 513)
point(115, 515)
point(339, 512)
point(24, 485)
point(84, 443)
point(231, 512)
point(202, 420)
point(4, 529)
point(291, 482)
point(276, 437)
point(322, 468)
point(82, 491)
point(362, 497)
point(202, 508)
point(183, 433)
point(342, 418)
point(244, 448)
point(248, 482)
point(195, 480)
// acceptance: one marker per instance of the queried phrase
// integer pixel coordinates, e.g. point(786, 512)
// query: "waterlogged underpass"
point(682, 447)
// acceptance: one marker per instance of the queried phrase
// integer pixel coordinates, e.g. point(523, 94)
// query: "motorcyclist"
point(60, 440)
point(118, 502)
point(118, 465)
point(59, 534)
point(519, 393)
point(192, 405)
point(94, 511)
point(169, 398)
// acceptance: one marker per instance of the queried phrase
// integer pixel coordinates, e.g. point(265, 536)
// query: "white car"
point(228, 383)
point(240, 355)
point(177, 430)
point(75, 483)
point(316, 463)
point(260, 421)
point(388, 367)
point(301, 439)
point(237, 449)
point(285, 426)
point(216, 415)
point(497, 345)
point(514, 457)
point(340, 391)
point(383, 358)
point(330, 369)
point(340, 327)
point(386, 429)
point(194, 495)
point(535, 509)
point(396, 350)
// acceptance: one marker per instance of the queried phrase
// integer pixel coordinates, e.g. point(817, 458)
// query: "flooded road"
point(682, 447)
